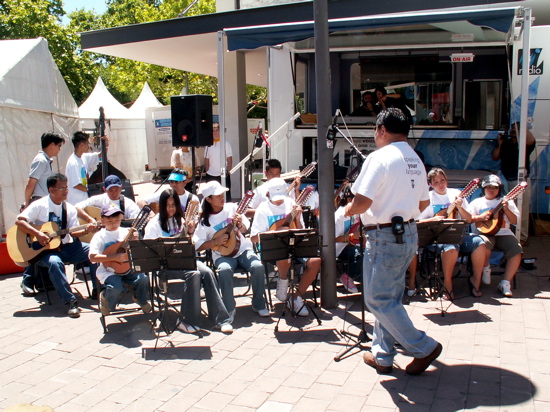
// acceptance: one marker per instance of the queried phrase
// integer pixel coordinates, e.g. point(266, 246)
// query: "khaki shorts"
point(507, 243)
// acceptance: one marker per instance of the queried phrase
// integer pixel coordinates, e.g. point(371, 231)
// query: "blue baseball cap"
point(111, 181)
point(180, 176)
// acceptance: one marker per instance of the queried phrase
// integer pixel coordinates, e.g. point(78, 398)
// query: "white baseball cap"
point(277, 189)
point(212, 188)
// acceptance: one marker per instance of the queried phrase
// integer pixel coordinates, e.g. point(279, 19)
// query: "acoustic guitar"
point(304, 173)
point(231, 247)
point(451, 212)
point(121, 247)
point(288, 221)
point(492, 226)
point(23, 247)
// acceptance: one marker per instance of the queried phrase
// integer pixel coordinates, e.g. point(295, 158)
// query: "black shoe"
point(93, 296)
point(74, 310)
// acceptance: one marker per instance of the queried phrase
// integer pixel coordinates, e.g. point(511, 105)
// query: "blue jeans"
point(352, 257)
point(114, 287)
point(217, 312)
point(191, 298)
point(384, 267)
point(74, 252)
point(248, 260)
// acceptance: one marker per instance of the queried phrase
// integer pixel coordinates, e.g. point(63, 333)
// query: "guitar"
point(191, 214)
point(346, 182)
point(451, 212)
point(23, 247)
point(289, 220)
point(121, 247)
point(231, 247)
point(304, 173)
point(491, 227)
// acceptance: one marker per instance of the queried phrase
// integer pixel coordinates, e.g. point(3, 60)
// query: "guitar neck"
point(64, 232)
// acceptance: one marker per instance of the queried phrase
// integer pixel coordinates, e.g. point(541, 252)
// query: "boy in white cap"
point(278, 207)
point(216, 215)
point(504, 239)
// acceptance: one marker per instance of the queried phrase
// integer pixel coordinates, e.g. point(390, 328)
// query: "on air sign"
point(462, 57)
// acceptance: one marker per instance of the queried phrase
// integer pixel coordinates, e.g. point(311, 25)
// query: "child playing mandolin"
point(111, 216)
point(222, 228)
point(488, 222)
point(280, 213)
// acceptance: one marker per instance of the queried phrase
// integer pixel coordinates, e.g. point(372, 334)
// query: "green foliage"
point(124, 78)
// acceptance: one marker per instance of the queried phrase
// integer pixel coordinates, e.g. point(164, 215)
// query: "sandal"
point(449, 295)
point(476, 293)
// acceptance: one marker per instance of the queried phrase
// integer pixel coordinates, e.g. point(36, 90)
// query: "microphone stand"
point(336, 129)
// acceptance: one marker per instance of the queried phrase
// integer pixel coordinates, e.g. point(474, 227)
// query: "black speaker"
point(192, 120)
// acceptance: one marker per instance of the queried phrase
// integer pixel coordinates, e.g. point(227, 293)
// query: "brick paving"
point(495, 356)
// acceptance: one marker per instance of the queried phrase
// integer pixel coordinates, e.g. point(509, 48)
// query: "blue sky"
point(71, 5)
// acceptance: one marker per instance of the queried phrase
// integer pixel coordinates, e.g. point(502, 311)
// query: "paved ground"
point(495, 357)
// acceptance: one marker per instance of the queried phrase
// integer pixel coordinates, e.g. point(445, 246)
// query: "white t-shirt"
point(44, 210)
point(343, 224)
point(394, 178)
point(481, 204)
point(268, 213)
point(213, 154)
point(154, 198)
point(260, 195)
point(77, 171)
point(439, 202)
point(131, 210)
point(217, 222)
point(101, 241)
point(153, 230)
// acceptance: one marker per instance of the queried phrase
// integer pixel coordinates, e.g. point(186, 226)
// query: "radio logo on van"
point(535, 68)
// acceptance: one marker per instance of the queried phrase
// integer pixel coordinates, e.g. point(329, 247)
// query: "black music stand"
point(156, 256)
point(290, 244)
point(439, 232)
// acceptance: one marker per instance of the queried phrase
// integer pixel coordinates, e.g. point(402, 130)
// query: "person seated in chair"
point(177, 180)
point(277, 208)
point(170, 222)
point(55, 208)
point(504, 239)
point(217, 215)
point(346, 249)
point(441, 199)
point(112, 260)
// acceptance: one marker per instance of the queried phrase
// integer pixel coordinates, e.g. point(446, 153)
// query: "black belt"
point(382, 225)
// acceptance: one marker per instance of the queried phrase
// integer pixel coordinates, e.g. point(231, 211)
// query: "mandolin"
point(451, 212)
point(304, 173)
point(233, 244)
point(23, 247)
point(191, 214)
point(121, 247)
point(288, 221)
point(491, 227)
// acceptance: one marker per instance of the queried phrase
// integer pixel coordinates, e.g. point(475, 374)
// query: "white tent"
point(126, 131)
point(145, 100)
point(33, 99)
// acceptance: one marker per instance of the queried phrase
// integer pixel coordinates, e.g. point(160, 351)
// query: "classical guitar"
point(121, 247)
point(304, 173)
point(23, 247)
point(231, 247)
point(491, 227)
point(288, 221)
point(451, 212)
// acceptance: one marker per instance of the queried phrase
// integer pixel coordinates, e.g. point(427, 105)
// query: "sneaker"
point(411, 292)
point(27, 290)
point(486, 276)
point(226, 327)
point(282, 289)
point(104, 304)
point(163, 283)
point(232, 315)
point(74, 311)
point(264, 313)
point(348, 283)
point(185, 328)
point(504, 288)
point(299, 307)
